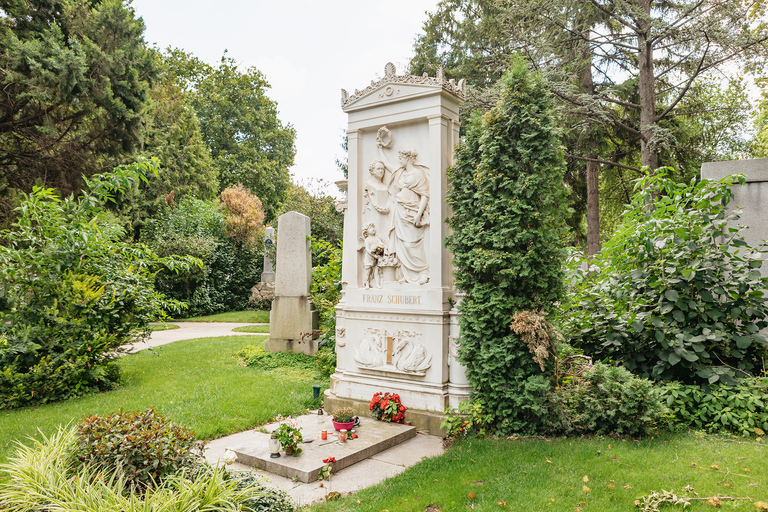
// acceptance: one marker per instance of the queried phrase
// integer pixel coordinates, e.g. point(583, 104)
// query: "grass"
point(197, 383)
point(249, 316)
point(162, 327)
point(599, 474)
point(252, 328)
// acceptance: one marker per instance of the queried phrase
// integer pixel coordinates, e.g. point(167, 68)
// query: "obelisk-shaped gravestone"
point(396, 327)
point(291, 319)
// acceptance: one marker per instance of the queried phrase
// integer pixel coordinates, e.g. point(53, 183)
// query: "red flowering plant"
point(387, 407)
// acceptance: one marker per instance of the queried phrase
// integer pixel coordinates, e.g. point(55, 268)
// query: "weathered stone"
point(752, 197)
point(268, 275)
point(292, 323)
point(396, 327)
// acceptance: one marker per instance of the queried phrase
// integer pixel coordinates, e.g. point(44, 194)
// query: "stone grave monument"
point(268, 275)
point(396, 327)
point(264, 291)
point(752, 197)
point(292, 322)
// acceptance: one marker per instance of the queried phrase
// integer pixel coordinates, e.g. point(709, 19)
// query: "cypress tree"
point(508, 212)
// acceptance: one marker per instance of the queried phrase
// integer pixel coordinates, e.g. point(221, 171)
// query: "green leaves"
point(674, 266)
point(508, 212)
point(78, 293)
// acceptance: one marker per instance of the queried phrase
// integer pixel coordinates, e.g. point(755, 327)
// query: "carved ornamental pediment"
point(394, 87)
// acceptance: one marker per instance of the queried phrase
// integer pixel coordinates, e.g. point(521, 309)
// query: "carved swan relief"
point(399, 352)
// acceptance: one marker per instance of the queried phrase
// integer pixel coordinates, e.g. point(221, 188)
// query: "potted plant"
point(343, 418)
point(289, 436)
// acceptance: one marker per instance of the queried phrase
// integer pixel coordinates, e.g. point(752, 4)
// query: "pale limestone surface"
point(366, 473)
point(291, 318)
point(752, 197)
point(268, 275)
point(396, 327)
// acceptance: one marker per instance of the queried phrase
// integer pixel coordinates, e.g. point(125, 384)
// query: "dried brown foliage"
point(245, 214)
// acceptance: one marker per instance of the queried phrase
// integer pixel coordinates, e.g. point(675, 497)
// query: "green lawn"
point(196, 383)
point(162, 327)
point(252, 328)
point(256, 317)
point(570, 474)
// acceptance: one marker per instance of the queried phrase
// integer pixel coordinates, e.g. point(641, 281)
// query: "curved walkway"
point(192, 330)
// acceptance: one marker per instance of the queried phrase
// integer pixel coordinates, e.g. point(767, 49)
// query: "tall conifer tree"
point(508, 203)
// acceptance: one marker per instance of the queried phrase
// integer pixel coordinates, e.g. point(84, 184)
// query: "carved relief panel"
point(395, 217)
point(395, 351)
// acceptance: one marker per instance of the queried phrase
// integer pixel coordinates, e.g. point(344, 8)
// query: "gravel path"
point(190, 330)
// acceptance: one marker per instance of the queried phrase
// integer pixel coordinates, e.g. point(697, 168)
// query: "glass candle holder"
point(274, 447)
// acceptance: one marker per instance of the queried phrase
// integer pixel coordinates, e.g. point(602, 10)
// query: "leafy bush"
point(245, 215)
point(77, 292)
point(508, 206)
point(41, 477)
point(226, 241)
point(471, 419)
point(738, 409)
point(257, 357)
point(677, 293)
point(143, 448)
point(325, 294)
point(607, 399)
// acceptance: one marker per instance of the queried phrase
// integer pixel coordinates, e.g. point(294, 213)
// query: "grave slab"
point(373, 437)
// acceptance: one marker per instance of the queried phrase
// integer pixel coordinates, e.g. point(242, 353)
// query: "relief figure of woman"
point(409, 215)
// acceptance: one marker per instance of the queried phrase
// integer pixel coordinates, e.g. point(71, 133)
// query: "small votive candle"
point(324, 434)
point(343, 436)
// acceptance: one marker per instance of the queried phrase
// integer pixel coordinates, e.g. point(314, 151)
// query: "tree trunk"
point(648, 156)
point(593, 182)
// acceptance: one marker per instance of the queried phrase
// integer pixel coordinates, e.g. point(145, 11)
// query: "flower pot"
point(345, 426)
point(289, 450)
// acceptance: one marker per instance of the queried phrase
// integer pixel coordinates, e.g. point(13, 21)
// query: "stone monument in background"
point(268, 275)
point(752, 197)
point(292, 322)
point(396, 324)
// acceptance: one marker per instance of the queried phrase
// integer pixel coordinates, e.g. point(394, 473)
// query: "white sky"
point(308, 50)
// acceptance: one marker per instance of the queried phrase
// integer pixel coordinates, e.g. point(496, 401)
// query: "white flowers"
point(229, 457)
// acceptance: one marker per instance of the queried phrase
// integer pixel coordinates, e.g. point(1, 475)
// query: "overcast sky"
point(308, 49)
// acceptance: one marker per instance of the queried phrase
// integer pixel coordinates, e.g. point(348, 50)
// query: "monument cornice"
point(392, 78)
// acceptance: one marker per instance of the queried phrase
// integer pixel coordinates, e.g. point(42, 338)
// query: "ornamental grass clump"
point(40, 477)
point(387, 407)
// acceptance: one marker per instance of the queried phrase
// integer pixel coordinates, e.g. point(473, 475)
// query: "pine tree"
point(508, 219)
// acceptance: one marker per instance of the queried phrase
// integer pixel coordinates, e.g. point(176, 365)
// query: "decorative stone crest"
point(398, 352)
point(391, 77)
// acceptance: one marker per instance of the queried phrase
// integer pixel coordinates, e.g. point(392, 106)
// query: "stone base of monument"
point(373, 437)
point(424, 421)
point(292, 326)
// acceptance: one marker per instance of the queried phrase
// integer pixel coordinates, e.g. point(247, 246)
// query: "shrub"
point(231, 264)
point(471, 419)
point(737, 409)
point(244, 214)
point(325, 294)
point(41, 477)
point(77, 293)
point(677, 293)
point(607, 399)
point(259, 358)
point(143, 448)
point(508, 210)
